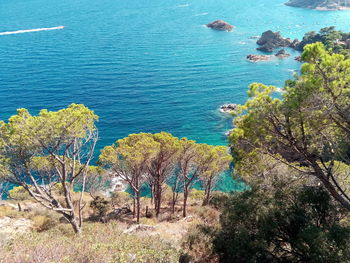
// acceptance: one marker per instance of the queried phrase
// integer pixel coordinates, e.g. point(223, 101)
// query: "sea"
point(145, 65)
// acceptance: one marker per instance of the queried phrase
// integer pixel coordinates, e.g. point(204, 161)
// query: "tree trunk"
point(184, 212)
point(158, 199)
point(207, 193)
point(138, 207)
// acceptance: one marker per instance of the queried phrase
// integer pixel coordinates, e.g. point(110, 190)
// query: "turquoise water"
point(144, 65)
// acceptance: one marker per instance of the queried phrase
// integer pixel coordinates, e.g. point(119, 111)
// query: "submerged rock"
point(220, 25)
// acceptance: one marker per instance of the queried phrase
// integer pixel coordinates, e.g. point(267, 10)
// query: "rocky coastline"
point(320, 4)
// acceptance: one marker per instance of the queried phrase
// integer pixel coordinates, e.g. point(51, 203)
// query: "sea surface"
point(145, 65)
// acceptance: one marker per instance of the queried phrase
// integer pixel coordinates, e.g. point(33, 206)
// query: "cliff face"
point(321, 4)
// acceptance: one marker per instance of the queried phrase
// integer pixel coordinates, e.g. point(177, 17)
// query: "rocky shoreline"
point(320, 4)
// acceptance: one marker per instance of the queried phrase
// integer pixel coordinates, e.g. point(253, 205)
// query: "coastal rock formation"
point(220, 25)
point(229, 108)
point(270, 40)
point(321, 4)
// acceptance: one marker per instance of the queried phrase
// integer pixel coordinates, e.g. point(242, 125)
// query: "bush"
point(120, 199)
point(42, 223)
point(197, 195)
point(19, 193)
point(218, 199)
point(9, 212)
point(302, 226)
point(100, 206)
point(198, 245)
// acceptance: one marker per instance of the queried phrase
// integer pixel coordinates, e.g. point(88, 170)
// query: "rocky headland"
point(320, 4)
point(220, 25)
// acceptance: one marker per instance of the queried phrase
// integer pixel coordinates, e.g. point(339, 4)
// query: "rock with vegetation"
point(220, 25)
point(333, 39)
point(321, 4)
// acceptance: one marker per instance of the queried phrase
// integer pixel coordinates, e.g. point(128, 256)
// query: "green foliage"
point(334, 40)
point(303, 133)
point(47, 154)
point(198, 245)
point(100, 206)
point(298, 225)
point(18, 193)
point(197, 194)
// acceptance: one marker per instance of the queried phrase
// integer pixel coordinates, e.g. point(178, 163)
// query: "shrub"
point(120, 199)
point(197, 195)
point(19, 193)
point(301, 226)
point(198, 245)
point(42, 223)
point(100, 206)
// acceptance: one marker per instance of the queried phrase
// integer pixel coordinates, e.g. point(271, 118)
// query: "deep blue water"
point(144, 65)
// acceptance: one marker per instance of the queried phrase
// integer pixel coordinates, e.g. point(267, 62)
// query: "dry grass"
point(100, 243)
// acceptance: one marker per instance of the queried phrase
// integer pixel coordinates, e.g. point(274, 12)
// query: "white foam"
point(184, 5)
point(201, 14)
point(30, 30)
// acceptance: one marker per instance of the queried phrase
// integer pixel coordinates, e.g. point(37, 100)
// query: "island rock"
point(220, 25)
point(270, 40)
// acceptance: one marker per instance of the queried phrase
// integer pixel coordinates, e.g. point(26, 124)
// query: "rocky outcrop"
point(220, 25)
point(282, 54)
point(270, 40)
point(320, 4)
point(229, 108)
point(256, 58)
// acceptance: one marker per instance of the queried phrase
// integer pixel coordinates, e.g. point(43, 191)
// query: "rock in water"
point(229, 108)
point(321, 4)
point(282, 54)
point(270, 40)
point(256, 58)
point(220, 25)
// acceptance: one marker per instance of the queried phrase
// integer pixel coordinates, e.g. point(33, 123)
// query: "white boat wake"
point(30, 30)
